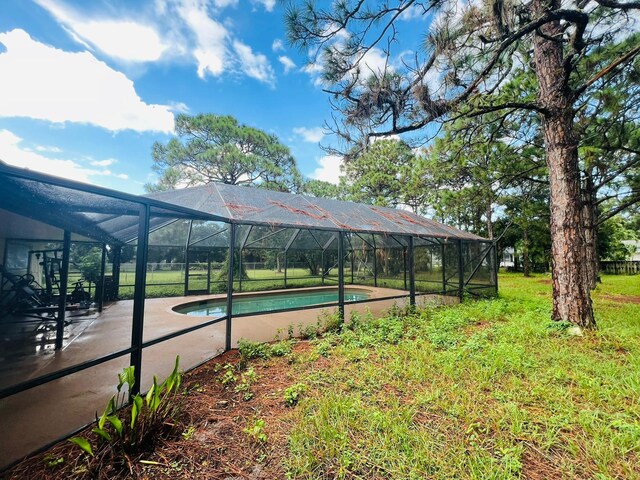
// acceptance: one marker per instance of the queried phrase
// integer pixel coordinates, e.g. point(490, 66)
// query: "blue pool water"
point(269, 302)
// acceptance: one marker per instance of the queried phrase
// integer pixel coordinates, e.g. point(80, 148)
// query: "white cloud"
point(329, 169)
point(179, 107)
point(311, 135)
point(211, 52)
point(103, 163)
point(12, 152)
point(225, 3)
point(287, 63)
point(315, 71)
point(216, 46)
point(414, 12)
point(46, 148)
point(45, 83)
point(267, 4)
point(255, 65)
point(277, 45)
point(123, 39)
point(374, 62)
point(189, 29)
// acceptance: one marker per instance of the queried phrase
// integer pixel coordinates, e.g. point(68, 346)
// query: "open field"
point(489, 389)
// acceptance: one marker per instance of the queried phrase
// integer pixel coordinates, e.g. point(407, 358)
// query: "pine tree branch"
point(623, 206)
point(608, 69)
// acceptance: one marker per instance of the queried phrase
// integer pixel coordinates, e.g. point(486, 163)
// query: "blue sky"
point(87, 87)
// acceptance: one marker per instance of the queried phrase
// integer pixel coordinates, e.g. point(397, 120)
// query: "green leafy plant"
point(282, 348)
point(256, 431)
point(53, 461)
point(188, 433)
point(308, 332)
point(122, 432)
point(251, 350)
point(293, 394)
point(247, 379)
point(330, 322)
point(228, 377)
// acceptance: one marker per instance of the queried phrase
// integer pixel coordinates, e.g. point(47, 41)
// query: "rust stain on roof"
point(237, 208)
point(319, 216)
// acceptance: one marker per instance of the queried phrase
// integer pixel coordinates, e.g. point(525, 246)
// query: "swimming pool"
point(268, 302)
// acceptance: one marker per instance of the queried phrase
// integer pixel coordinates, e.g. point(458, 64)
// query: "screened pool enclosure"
point(93, 280)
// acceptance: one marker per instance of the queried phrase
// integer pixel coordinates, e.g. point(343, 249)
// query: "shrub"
point(308, 332)
point(330, 322)
point(250, 350)
point(282, 348)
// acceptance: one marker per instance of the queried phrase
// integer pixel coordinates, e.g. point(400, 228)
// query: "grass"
point(488, 389)
point(264, 279)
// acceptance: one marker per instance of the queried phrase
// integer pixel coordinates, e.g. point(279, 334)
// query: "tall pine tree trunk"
point(571, 294)
point(590, 230)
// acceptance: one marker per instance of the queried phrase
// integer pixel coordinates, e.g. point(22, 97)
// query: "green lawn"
point(163, 283)
point(485, 390)
point(258, 280)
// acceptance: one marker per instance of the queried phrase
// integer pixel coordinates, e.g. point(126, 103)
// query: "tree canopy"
point(216, 148)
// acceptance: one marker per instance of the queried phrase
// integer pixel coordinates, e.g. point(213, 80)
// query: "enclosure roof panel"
point(112, 216)
point(99, 213)
point(240, 204)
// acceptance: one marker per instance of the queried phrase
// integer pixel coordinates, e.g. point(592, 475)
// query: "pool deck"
point(40, 415)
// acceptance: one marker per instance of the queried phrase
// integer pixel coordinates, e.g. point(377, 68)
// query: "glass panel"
point(390, 263)
point(304, 268)
point(479, 267)
point(175, 272)
point(209, 234)
point(266, 327)
point(172, 234)
point(363, 264)
point(451, 268)
point(261, 269)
